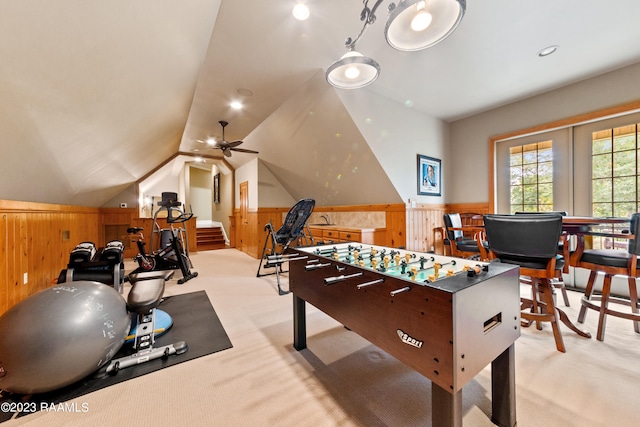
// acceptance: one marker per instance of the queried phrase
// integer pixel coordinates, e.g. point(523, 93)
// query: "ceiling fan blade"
point(232, 144)
point(244, 150)
point(226, 151)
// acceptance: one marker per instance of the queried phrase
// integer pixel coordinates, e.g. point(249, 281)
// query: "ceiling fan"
point(228, 146)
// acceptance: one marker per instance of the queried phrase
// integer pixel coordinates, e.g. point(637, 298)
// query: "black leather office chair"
point(611, 262)
point(459, 244)
point(531, 241)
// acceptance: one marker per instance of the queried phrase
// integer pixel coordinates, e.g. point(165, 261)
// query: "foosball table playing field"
point(445, 317)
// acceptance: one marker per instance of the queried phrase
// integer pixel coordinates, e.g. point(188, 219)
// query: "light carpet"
point(343, 380)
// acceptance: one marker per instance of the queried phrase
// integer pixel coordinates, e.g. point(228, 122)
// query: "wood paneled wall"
point(250, 237)
point(36, 239)
point(422, 220)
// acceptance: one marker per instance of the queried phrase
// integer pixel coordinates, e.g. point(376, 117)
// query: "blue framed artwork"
point(429, 176)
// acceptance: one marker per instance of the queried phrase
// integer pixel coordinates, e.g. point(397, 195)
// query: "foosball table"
point(445, 317)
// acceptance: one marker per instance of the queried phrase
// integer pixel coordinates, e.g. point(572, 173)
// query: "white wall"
point(271, 193)
point(201, 193)
point(468, 177)
point(164, 180)
point(397, 134)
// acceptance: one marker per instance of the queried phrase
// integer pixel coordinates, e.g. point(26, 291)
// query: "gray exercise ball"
point(60, 335)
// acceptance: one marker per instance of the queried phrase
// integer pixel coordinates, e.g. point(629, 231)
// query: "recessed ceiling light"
point(300, 11)
point(547, 51)
point(245, 92)
point(236, 105)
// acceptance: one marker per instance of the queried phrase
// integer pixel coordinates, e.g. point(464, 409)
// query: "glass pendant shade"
point(419, 24)
point(352, 71)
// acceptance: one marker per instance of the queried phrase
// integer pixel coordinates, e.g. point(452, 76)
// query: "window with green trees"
point(615, 182)
point(531, 177)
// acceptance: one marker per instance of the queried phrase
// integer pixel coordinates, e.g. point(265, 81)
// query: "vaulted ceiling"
point(96, 94)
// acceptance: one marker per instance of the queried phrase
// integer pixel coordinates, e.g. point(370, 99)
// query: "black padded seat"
point(608, 257)
point(531, 241)
point(611, 262)
point(536, 263)
point(145, 295)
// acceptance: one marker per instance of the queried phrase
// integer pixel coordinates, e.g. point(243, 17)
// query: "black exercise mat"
point(194, 321)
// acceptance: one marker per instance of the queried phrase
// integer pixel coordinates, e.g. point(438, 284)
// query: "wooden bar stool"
point(611, 262)
point(460, 245)
point(531, 241)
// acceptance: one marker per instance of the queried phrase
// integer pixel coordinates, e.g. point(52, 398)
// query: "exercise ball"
point(60, 335)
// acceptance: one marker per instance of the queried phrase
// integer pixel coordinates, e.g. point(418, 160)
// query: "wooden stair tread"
point(210, 238)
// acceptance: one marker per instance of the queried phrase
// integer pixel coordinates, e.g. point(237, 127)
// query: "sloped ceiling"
point(96, 94)
point(314, 148)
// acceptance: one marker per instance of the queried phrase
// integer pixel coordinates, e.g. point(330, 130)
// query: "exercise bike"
point(173, 252)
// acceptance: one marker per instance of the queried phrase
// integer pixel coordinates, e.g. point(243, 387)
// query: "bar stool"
point(611, 262)
point(531, 241)
point(563, 249)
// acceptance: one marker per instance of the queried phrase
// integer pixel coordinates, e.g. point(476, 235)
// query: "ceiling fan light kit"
point(412, 25)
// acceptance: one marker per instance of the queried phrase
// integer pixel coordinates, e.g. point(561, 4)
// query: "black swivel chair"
point(564, 250)
point(611, 262)
point(531, 241)
point(461, 245)
point(278, 241)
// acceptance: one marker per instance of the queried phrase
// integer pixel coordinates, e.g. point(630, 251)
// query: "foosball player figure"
point(414, 273)
point(374, 263)
point(436, 269)
point(396, 259)
point(403, 267)
point(422, 261)
point(386, 262)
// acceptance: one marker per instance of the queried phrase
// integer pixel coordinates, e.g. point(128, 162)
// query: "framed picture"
point(429, 176)
point(216, 188)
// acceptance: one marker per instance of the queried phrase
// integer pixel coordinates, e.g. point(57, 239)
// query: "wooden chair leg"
point(546, 291)
point(604, 303)
point(587, 295)
point(559, 284)
point(633, 295)
point(534, 297)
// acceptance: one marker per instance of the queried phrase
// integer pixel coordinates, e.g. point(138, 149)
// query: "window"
point(614, 176)
point(531, 177)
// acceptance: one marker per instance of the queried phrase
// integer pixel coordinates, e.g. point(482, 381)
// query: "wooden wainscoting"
point(36, 239)
point(425, 219)
point(250, 236)
point(421, 220)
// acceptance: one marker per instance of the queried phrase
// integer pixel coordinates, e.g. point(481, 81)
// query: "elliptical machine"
point(173, 252)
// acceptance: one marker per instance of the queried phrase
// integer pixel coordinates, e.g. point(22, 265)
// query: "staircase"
point(209, 238)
